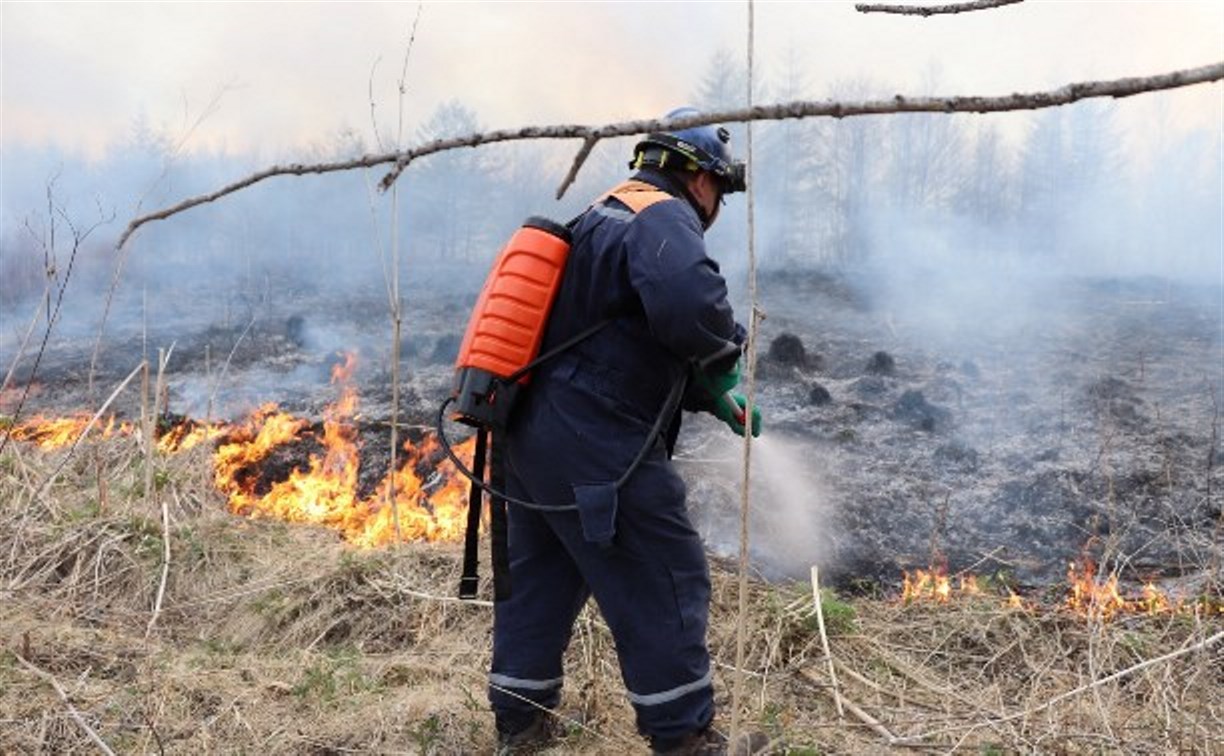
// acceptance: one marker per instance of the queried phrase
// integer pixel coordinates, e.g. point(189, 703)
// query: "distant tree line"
point(828, 192)
point(843, 191)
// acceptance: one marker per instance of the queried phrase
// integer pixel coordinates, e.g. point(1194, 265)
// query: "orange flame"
point(188, 435)
point(326, 491)
point(1154, 601)
point(56, 432)
point(1089, 594)
point(1091, 597)
point(430, 495)
point(432, 509)
point(930, 584)
point(1014, 601)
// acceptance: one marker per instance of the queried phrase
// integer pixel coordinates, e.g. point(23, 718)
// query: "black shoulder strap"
point(558, 349)
point(499, 526)
point(469, 582)
point(487, 447)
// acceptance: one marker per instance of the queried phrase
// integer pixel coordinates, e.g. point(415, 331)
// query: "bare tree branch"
point(799, 109)
point(373, 113)
point(588, 144)
point(79, 236)
point(931, 10)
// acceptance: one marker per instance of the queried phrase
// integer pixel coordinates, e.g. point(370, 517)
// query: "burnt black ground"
point(1089, 426)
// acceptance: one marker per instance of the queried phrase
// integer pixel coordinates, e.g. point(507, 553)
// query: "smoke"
point(1014, 292)
point(790, 525)
point(304, 262)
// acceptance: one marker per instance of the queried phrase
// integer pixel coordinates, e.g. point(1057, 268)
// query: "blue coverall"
point(583, 419)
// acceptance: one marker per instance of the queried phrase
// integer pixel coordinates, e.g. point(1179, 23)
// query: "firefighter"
point(639, 258)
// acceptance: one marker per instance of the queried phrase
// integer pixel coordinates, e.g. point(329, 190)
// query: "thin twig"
point(72, 711)
point(741, 614)
point(932, 10)
point(163, 357)
point(161, 588)
point(78, 238)
point(584, 152)
point(150, 424)
point(858, 677)
point(799, 109)
point(212, 395)
point(85, 432)
point(824, 638)
point(25, 341)
point(443, 599)
point(1071, 693)
point(874, 724)
point(397, 305)
point(370, 94)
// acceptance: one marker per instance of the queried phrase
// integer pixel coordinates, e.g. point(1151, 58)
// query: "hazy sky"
point(77, 74)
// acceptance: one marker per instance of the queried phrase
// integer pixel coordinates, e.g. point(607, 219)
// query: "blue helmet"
point(705, 148)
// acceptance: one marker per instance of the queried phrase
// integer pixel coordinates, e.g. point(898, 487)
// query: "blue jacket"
point(588, 411)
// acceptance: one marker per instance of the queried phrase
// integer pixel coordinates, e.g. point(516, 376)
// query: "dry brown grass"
point(279, 639)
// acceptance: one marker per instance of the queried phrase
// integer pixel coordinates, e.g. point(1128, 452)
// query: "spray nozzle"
point(736, 410)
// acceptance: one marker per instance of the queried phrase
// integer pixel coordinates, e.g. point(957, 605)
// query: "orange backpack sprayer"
point(507, 326)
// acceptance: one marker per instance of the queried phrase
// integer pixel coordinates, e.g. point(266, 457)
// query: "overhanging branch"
point(932, 10)
point(800, 109)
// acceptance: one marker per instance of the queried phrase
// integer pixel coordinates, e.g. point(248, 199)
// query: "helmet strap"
point(657, 157)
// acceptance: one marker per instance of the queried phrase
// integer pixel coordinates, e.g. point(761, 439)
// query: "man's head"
point(700, 156)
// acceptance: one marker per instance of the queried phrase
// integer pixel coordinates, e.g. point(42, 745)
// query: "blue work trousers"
point(652, 587)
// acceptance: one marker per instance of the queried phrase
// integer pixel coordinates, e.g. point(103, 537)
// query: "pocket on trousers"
point(691, 587)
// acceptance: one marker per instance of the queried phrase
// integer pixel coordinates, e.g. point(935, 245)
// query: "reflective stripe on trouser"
point(513, 683)
point(667, 696)
point(652, 587)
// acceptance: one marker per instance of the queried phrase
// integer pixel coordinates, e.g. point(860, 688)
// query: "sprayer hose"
point(665, 414)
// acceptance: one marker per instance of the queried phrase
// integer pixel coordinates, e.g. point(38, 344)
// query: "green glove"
point(723, 411)
point(717, 384)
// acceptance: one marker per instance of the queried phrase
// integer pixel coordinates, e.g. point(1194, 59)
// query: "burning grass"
point(282, 638)
point(261, 468)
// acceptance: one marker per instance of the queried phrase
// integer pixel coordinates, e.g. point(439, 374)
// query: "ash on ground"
point(1088, 427)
